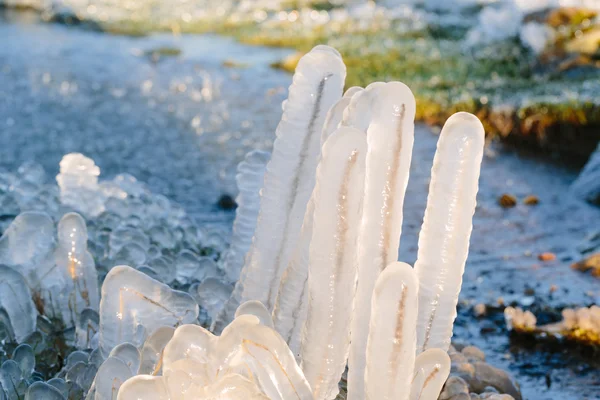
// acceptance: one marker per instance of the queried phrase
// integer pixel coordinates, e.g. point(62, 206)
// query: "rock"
point(507, 200)
point(480, 310)
point(486, 375)
point(454, 386)
point(495, 396)
point(592, 263)
point(547, 256)
point(460, 396)
point(587, 184)
point(490, 389)
point(531, 200)
point(473, 353)
point(226, 202)
point(457, 358)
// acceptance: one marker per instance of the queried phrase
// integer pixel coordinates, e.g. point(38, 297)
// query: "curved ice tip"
point(328, 58)
point(397, 96)
point(465, 124)
point(345, 140)
point(350, 92)
point(325, 48)
point(396, 274)
point(71, 226)
point(257, 309)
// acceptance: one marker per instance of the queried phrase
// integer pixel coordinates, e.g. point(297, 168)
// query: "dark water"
point(183, 123)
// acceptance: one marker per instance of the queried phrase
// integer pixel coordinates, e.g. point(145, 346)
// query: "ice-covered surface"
point(248, 361)
point(503, 259)
point(332, 265)
point(447, 225)
point(390, 137)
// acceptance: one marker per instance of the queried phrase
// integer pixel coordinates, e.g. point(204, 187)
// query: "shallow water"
point(183, 123)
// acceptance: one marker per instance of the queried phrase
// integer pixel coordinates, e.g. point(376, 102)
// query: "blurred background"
point(176, 92)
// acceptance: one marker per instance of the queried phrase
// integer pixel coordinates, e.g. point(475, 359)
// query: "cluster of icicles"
point(316, 246)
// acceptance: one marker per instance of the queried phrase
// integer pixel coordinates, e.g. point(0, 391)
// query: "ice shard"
point(27, 246)
point(134, 305)
point(446, 230)
point(390, 141)
point(333, 260)
point(76, 268)
point(290, 174)
point(195, 362)
point(78, 181)
point(432, 368)
point(291, 306)
point(250, 177)
point(152, 351)
point(15, 300)
point(256, 308)
point(359, 111)
point(391, 346)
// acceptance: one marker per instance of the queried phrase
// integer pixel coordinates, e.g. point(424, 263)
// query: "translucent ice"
point(72, 285)
point(390, 140)
point(391, 346)
point(27, 246)
point(134, 305)
point(446, 230)
point(290, 175)
point(78, 181)
point(333, 260)
point(291, 306)
point(249, 179)
point(432, 368)
point(249, 358)
point(15, 300)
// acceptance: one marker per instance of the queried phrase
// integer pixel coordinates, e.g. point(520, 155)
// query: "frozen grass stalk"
point(291, 307)
point(332, 262)
point(290, 175)
point(390, 142)
point(446, 230)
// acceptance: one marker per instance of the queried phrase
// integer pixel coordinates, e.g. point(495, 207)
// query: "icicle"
point(134, 305)
point(256, 308)
point(77, 268)
point(333, 260)
point(291, 307)
point(390, 141)
point(432, 368)
point(250, 178)
point(15, 301)
point(444, 236)
point(290, 175)
point(391, 345)
point(359, 111)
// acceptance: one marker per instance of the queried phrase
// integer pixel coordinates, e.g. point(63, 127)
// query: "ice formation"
point(333, 260)
point(17, 311)
point(390, 140)
point(291, 305)
point(134, 305)
point(72, 285)
point(248, 361)
point(326, 216)
point(579, 325)
point(290, 175)
point(447, 225)
point(78, 181)
point(250, 177)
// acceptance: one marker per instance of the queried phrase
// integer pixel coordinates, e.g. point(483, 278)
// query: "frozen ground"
point(182, 123)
